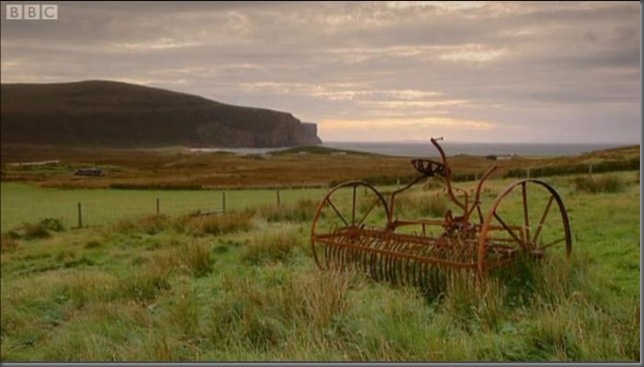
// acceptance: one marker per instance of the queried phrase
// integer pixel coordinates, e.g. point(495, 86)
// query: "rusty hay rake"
point(354, 226)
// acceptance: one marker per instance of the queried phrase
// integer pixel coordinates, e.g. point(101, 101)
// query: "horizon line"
point(475, 142)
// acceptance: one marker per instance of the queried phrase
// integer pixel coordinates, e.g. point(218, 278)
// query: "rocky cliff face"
point(119, 114)
point(308, 134)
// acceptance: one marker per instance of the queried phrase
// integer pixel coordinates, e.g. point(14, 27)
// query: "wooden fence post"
point(278, 198)
point(223, 201)
point(80, 216)
point(158, 211)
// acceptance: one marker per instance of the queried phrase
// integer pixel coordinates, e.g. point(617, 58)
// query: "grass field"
point(243, 286)
point(28, 203)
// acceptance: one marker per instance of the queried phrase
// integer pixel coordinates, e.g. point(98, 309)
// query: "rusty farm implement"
point(356, 226)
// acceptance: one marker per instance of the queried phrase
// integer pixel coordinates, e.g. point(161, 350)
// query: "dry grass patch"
point(271, 245)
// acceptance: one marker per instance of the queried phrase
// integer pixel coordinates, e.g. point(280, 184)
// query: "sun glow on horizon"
point(399, 129)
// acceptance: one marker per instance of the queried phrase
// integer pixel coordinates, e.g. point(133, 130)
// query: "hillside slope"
point(117, 114)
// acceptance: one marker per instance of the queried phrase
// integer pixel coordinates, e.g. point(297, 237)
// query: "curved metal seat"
point(430, 168)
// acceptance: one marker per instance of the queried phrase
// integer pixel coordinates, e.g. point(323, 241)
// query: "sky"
point(561, 72)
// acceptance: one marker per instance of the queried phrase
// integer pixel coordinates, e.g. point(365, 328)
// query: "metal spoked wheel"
point(345, 212)
point(527, 217)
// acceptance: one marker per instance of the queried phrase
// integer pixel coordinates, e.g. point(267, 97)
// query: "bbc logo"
point(32, 12)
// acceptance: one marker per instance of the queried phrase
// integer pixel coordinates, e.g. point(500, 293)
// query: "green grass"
point(23, 203)
point(244, 287)
point(606, 183)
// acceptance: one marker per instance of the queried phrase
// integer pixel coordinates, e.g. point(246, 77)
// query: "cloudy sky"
point(382, 71)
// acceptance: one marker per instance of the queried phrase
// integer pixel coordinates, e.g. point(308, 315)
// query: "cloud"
point(523, 67)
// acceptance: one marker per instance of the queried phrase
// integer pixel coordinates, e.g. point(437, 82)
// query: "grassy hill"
point(109, 113)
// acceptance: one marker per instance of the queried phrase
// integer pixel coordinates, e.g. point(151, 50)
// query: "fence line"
point(91, 208)
point(82, 208)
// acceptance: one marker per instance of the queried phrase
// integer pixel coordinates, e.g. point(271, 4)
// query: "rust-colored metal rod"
point(526, 217)
point(477, 195)
point(375, 202)
point(553, 243)
point(448, 174)
point(543, 219)
point(353, 212)
point(427, 260)
point(337, 212)
point(507, 228)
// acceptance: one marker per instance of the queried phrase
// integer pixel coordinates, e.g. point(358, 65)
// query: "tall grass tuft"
point(432, 206)
point(320, 297)
point(144, 284)
point(192, 258)
point(254, 317)
point(195, 225)
point(216, 224)
point(154, 224)
point(39, 230)
point(273, 245)
point(184, 314)
point(422, 204)
point(197, 258)
point(244, 317)
point(301, 211)
point(53, 224)
point(593, 185)
point(473, 303)
point(35, 231)
point(151, 224)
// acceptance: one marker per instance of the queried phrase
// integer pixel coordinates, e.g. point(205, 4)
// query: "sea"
point(417, 149)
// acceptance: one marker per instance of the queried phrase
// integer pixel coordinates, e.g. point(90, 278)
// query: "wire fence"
point(84, 208)
point(92, 207)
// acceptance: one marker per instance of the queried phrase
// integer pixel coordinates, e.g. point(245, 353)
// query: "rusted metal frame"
point(465, 205)
point(418, 242)
point(323, 204)
point(526, 217)
point(562, 211)
point(414, 259)
point(407, 264)
point(395, 260)
point(396, 192)
point(426, 260)
point(353, 212)
point(477, 196)
point(375, 202)
point(543, 219)
point(412, 243)
point(448, 174)
point(423, 223)
point(553, 243)
point(333, 254)
point(328, 200)
point(407, 222)
point(467, 247)
point(508, 229)
point(370, 258)
point(492, 213)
